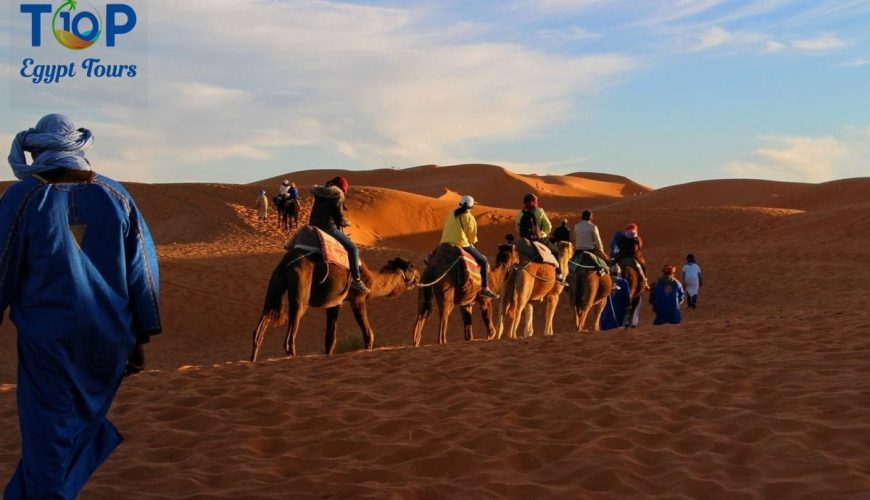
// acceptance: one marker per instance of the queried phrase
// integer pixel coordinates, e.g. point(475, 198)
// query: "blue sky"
point(664, 92)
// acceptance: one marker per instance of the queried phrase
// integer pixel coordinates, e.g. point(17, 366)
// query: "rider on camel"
point(327, 214)
point(534, 225)
point(630, 246)
point(460, 229)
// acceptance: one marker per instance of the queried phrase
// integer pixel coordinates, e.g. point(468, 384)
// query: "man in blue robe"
point(617, 303)
point(78, 270)
point(666, 297)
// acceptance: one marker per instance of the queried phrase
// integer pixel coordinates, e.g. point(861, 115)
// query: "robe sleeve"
point(143, 279)
point(12, 242)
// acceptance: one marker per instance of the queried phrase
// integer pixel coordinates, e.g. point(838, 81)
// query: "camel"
point(532, 281)
point(308, 282)
point(591, 290)
point(443, 289)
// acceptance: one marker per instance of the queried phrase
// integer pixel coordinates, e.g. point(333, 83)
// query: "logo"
point(70, 33)
point(78, 25)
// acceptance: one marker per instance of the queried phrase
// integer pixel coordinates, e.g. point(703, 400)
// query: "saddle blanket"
point(312, 239)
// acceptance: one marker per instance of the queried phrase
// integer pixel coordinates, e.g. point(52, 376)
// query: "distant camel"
point(443, 288)
point(531, 281)
point(308, 282)
point(591, 290)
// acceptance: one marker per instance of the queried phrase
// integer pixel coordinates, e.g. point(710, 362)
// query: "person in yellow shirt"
point(460, 229)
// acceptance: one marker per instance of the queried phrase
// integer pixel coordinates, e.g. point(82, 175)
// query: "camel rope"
point(297, 259)
point(426, 285)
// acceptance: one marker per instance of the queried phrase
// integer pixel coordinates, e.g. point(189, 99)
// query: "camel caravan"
point(321, 268)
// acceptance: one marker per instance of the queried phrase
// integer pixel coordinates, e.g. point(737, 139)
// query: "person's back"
point(629, 247)
point(666, 297)
point(561, 233)
point(327, 213)
point(617, 303)
point(78, 270)
point(693, 280)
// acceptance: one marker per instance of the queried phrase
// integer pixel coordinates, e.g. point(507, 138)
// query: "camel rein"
point(533, 275)
point(426, 285)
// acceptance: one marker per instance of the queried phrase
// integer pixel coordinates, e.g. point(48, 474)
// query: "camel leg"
point(331, 326)
point(528, 317)
point(259, 336)
point(486, 312)
point(424, 310)
point(445, 304)
point(597, 311)
point(629, 312)
point(550, 312)
point(294, 319)
point(296, 307)
point(466, 321)
point(360, 313)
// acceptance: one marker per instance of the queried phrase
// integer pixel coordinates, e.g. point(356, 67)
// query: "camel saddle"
point(536, 252)
point(312, 239)
point(459, 266)
point(585, 259)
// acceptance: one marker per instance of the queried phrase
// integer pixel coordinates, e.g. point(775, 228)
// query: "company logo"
point(76, 30)
point(78, 25)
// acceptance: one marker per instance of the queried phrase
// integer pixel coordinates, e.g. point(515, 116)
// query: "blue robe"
point(617, 304)
point(78, 270)
point(666, 296)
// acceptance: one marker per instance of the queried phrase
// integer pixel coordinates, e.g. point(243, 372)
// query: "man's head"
point(669, 270)
point(466, 201)
point(286, 183)
point(530, 200)
point(690, 258)
point(587, 215)
point(564, 222)
point(615, 270)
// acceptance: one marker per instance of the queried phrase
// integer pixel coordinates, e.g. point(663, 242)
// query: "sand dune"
point(761, 393)
point(566, 192)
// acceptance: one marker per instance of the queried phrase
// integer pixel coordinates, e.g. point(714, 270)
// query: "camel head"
point(507, 256)
point(409, 273)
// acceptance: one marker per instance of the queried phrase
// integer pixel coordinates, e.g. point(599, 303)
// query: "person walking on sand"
point(618, 301)
point(263, 206)
point(460, 228)
point(693, 280)
point(78, 271)
point(327, 214)
point(666, 297)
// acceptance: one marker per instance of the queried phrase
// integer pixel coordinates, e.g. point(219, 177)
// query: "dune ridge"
point(763, 392)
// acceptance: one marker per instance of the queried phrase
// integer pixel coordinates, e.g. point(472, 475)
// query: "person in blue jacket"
point(617, 302)
point(666, 296)
point(78, 271)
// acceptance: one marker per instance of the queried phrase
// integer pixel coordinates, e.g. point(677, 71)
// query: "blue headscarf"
point(53, 143)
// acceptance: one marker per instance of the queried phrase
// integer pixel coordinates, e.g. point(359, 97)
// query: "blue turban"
point(53, 143)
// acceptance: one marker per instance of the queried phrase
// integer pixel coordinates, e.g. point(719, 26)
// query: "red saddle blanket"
point(312, 239)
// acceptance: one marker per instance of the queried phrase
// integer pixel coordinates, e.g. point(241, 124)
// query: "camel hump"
point(312, 239)
point(535, 251)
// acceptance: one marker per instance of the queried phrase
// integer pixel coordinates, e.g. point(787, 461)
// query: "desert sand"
point(762, 392)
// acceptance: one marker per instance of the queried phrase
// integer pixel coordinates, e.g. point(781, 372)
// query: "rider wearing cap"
point(460, 229)
point(327, 214)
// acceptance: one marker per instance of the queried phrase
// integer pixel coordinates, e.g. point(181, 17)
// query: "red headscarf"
point(669, 270)
point(339, 182)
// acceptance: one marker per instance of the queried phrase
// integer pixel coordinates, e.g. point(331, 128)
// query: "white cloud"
point(808, 159)
point(569, 4)
point(570, 34)
point(374, 85)
point(857, 62)
point(823, 42)
point(773, 46)
point(717, 36)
